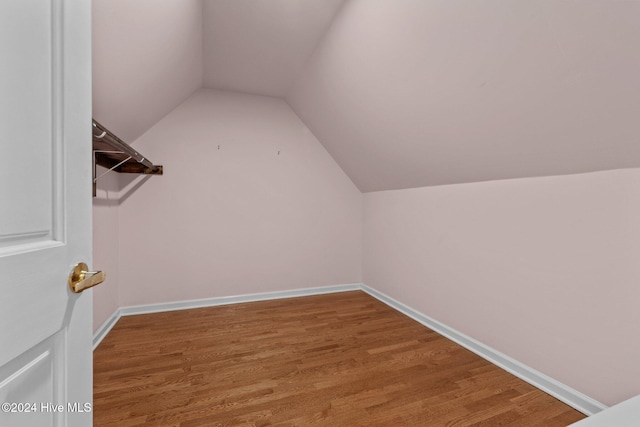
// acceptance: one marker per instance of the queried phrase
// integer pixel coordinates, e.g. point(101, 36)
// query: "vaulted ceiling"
point(402, 93)
point(259, 46)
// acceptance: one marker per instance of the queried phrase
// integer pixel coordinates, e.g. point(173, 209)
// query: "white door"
point(45, 212)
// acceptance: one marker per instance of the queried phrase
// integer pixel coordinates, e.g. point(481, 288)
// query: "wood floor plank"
point(340, 359)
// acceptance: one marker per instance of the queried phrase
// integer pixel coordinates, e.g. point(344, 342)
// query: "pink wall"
point(147, 58)
point(105, 247)
point(544, 270)
point(240, 219)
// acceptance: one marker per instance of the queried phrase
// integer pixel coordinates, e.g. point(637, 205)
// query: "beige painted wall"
point(105, 246)
point(544, 270)
point(240, 219)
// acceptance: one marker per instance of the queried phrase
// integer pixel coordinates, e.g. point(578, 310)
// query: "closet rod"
point(100, 133)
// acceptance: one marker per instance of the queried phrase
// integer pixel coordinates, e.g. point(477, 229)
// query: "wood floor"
point(341, 359)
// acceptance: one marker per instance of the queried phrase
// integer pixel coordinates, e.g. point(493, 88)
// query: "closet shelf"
point(111, 152)
point(116, 155)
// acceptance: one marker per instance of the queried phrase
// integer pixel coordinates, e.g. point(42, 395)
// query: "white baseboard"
point(104, 329)
point(212, 302)
point(562, 392)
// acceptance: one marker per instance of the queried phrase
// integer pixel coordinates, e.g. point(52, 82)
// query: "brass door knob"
point(81, 279)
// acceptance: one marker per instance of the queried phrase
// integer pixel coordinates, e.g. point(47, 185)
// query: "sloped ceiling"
point(410, 93)
point(402, 93)
point(150, 55)
point(147, 59)
point(260, 46)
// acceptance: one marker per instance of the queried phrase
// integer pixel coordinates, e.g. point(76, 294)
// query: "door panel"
point(29, 383)
point(45, 211)
point(29, 227)
point(31, 24)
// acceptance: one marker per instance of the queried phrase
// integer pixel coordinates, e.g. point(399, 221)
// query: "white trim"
point(562, 392)
point(104, 329)
point(625, 414)
point(212, 302)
